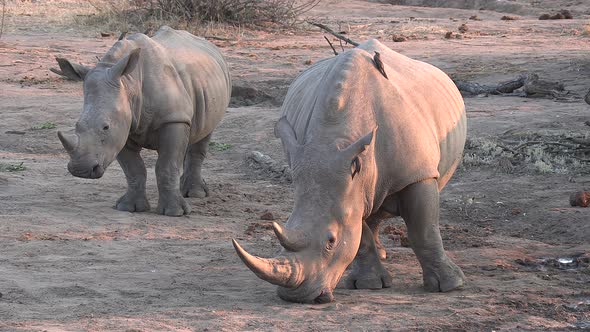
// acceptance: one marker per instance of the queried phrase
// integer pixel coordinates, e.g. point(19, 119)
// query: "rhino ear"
point(360, 145)
point(126, 65)
point(284, 131)
point(70, 70)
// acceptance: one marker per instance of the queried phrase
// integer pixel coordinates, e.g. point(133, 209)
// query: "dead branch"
point(473, 89)
point(332, 46)
point(335, 34)
point(216, 38)
point(533, 87)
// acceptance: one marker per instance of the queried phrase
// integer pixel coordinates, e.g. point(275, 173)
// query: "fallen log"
point(533, 87)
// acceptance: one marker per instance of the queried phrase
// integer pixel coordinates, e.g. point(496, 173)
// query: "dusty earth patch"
point(69, 261)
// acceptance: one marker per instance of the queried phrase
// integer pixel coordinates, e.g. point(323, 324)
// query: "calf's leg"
point(172, 144)
point(191, 182)
point(134, 199)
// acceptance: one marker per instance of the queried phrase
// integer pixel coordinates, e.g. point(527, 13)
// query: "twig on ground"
point(571, 146)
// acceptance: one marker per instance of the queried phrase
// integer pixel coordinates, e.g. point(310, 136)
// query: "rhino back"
point(419, 112)
point(184, 79)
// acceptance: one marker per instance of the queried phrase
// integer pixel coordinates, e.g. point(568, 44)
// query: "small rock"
point(545, 17)
point(566, 14)
point(308, 62)
point(580, 198)
point(463, 28)
point(515, 211)
point(449, 35)
point(475, 18)
point(563, 14)
point(267, 216)
point(587, 123)
point(399, 38)
point(248, 210)
point(508, 18)
point(105, 34)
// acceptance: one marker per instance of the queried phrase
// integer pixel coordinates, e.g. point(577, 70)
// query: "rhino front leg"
point(134, 199)
point(192, 183)
point(172, 146)
point(419, 207)
point(367, 270)
point(374, 223)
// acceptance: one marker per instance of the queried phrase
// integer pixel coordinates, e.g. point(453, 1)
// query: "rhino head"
point(106, 118)
point(334, 186)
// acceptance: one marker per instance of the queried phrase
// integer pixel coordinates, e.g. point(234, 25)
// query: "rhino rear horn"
point(279, 271)
point(68, 144)
point(290, 239)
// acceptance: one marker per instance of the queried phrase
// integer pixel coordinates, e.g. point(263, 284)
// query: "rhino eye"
point(330, 243)
point(355, 166)
point(106, 127)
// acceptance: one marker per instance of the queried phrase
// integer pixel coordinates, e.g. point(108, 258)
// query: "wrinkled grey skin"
point(363, 148)
point(165, 93)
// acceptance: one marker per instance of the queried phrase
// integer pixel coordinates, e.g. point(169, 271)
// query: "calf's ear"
point(70, 70)
point(126, 65)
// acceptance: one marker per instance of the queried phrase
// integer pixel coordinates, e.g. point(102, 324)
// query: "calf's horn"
point(279, 271)
point(290, 239)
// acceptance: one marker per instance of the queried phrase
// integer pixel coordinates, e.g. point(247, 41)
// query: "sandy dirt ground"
point(69, 261)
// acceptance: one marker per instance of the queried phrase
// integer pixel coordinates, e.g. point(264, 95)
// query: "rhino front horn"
point(66, 142)
point(279, 271)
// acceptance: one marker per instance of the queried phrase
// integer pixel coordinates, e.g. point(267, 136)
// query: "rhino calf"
point(367, 137)
point(165, 93)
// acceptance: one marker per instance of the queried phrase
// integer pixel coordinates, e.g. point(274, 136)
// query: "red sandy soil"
point(69, 261)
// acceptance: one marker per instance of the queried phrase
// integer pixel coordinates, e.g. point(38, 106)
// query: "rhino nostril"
point(97, 171)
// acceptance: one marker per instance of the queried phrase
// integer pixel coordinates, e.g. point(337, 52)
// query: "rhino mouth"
point(306, 295)
point(92, 171)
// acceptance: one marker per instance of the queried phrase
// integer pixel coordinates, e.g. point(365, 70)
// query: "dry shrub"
point(242, 12)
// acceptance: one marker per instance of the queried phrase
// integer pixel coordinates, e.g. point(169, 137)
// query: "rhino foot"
point(173, 205)
point(368, 276)
point(190, 188)
point(133, 203)
point(443, 277)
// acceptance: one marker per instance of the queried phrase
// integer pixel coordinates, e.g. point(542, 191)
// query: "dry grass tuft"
point(529, 153)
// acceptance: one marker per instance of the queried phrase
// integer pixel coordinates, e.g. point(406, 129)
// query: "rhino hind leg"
point(367, 270)
point(135, 199)
point(420, 211)
point(191, 182)
point(172, 146)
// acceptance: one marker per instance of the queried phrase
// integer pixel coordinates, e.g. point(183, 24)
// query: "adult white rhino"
point(165, 93)
point(363, 147)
